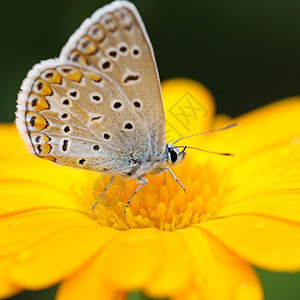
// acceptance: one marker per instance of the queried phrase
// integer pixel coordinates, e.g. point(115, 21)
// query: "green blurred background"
point(245, 52)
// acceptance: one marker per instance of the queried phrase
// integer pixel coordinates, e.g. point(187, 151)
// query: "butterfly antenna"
point(207, 151)
point(205, 132)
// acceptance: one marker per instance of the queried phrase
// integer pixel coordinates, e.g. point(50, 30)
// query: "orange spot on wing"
point(37, 102)
point(42, 87)
point(95, 77)
point(46, 148)
point(75, 75)
point(40, 123)
point(87, 45)
point(36, 121)
point(52, 158)
point(46, 138)
point(78, 57)
point(54, 78)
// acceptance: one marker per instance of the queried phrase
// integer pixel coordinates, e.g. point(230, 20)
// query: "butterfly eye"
point(173, 155)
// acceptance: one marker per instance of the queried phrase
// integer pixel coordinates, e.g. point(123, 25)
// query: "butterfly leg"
point(145, 181)
point(109, 184)
point(173, 175)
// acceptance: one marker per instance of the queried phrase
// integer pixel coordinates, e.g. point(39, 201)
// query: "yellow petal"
point(268, 243)
point(10, 141)
point(57, 256)
point(89, 283)
point(173, 271)
point(7, 289)
point(29, 182)
point(217, 272)
point(131, 258)
point(22, 195)
point(283, 204)
point(189, 107)
point(271, 169)
point(257, 132)
point(23, 230)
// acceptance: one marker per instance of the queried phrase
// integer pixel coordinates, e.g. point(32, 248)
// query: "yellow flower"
point(237, 211)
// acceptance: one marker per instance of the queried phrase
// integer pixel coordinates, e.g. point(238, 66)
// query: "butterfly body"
point(155, 165)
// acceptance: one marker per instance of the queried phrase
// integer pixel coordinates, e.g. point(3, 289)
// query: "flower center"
point(162, 203)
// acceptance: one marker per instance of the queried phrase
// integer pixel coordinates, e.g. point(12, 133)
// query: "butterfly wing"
point(83, 109)
point(77, 117)
point(114, 41)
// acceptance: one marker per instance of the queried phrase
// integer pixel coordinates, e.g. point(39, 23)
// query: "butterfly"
point(98, 106)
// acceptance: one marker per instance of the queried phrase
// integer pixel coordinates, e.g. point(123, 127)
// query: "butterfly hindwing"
point(77, 117)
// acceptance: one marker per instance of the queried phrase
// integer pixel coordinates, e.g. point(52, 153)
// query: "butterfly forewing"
point(115, 42)
point(99, 104)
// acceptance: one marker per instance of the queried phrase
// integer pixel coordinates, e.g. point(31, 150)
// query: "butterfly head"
point(174, 154)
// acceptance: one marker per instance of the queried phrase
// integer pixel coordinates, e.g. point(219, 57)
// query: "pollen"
point(162, 204)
